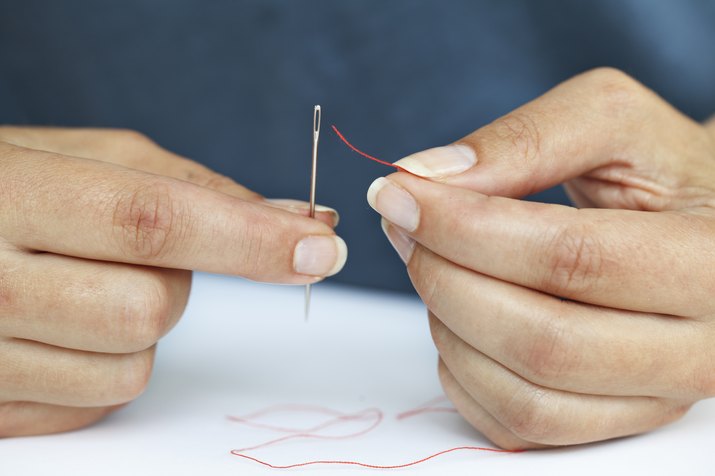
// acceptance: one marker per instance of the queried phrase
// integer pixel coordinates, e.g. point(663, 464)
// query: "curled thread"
point(430, 406)
point(373, 416)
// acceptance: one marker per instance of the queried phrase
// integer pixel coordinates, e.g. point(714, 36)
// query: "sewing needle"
point(313, 175)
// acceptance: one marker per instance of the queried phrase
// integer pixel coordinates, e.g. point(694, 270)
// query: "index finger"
point(101, 211)
point(614, 258)
point(601, 123)
point(134, 150)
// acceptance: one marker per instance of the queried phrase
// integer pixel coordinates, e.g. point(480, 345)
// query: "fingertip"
point(440, 162)
point(374, 190)
point(342, 256)
point(395, 203)
point(320, 255)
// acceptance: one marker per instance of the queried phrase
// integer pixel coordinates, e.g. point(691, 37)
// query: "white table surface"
point(243, 346)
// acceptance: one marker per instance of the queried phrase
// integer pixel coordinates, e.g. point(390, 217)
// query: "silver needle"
point(313, 175)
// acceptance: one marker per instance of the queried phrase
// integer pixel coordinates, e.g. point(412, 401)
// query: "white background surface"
point(244, 346)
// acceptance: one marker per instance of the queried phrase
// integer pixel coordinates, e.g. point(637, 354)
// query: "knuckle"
point(668, 410)
point(147, 315)
point(530, 415)
point(427, 277)
point(446, 379)
point(521, 131)
point(133, 375)
point(675, 411)
point(551, 354)
point(507, 440)
point(145, 220)
point(255, 248)
point(617, 91)
point(439, 332)
point(574, 261)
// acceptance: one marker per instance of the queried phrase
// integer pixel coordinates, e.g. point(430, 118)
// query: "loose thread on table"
point(368, 414)
point(373, 466)
point(430, 406)
point(373, 415)
point(250, 419)
point(366, 155)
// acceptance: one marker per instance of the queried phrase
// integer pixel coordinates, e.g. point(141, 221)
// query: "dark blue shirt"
point(232, 83)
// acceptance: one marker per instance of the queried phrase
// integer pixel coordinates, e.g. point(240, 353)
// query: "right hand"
point(99, 230)
point(562, 326)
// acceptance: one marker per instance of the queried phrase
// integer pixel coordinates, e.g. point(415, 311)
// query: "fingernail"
point(320, 255)
point(440, 161)
point(299, 206)
point(403, 244)
point(394, 203)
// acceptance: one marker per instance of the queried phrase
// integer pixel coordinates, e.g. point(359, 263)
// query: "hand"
point(556, 325)
point(98, 230)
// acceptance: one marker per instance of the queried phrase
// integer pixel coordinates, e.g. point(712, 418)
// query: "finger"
point(580, 199)
point(601, 121)
point(36, 372)
point(88, 305)
point(29, 418)
point(542, 415)
point(136, 151)
point(110, 213)
point(594, 256)
point(327, 215)
point(562, 344)
point(477, 416)
point(122, 147)
point(710, 125)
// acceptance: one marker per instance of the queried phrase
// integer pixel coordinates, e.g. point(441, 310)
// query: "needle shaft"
point(313, 177)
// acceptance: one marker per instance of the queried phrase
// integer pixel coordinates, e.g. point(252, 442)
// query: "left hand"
point(99, 230)
point(557, 325)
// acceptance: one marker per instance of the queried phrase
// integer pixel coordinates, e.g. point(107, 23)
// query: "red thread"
point(429, 406)
point(367, 414)
point(249, 420)
point(374, 466)
point(375, 159)
point(373, 414)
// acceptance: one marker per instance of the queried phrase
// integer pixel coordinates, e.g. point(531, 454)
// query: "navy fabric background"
point(232, 83)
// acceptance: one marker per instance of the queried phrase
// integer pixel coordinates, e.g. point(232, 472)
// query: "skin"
point(98, 232)
point(558, 325)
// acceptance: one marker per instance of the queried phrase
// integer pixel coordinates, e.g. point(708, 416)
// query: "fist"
point(558, 325)
point(99, 230)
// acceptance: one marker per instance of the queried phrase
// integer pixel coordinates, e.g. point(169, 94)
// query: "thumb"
point(601, 123)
